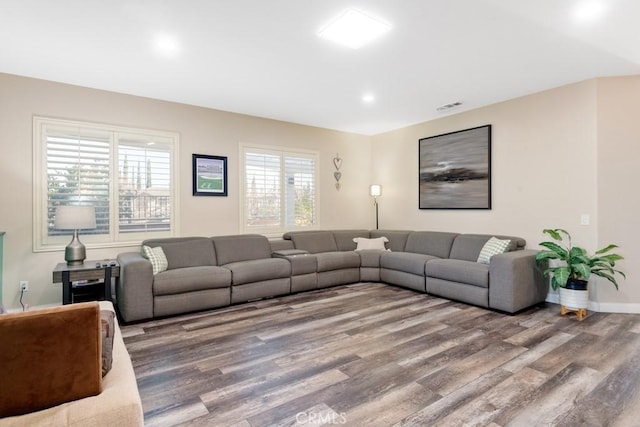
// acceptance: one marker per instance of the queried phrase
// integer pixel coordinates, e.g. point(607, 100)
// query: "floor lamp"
point(375, 191)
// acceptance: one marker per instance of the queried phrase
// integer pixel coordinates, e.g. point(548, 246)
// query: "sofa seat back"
point(434, 243)
point(49, 357)
point(242, 247)
point(467, 247)
point(397, 238)
point(183, 252)
point(313, 241)
point(344, 238)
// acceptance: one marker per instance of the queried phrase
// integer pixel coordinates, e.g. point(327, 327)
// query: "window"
point(279, 190)
point(128, 175)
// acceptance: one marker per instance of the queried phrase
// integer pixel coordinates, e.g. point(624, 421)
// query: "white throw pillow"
point(493, 247)
point(157, 257)
point(376, 244)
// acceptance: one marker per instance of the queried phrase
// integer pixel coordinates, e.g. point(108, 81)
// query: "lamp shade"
point(375, 190)
point(75, 218)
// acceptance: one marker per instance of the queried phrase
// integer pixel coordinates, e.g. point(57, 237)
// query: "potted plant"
point(573, 267)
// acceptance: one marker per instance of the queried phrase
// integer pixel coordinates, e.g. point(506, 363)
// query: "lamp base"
point(75, 253)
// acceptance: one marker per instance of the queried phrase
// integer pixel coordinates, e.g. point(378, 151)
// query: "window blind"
point(127, 174)
point(280, 190)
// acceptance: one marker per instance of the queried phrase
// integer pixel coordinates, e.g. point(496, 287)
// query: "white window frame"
point(281, 151)
point(42, 242)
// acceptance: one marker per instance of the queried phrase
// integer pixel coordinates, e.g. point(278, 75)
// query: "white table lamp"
point(75, 218)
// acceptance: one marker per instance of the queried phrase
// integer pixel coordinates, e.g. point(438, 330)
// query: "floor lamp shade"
point(75, 218)
point(375, 190)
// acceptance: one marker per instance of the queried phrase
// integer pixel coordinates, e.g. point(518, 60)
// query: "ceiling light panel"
point(354, 28)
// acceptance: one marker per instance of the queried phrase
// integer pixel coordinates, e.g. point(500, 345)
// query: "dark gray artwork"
point(455, 170)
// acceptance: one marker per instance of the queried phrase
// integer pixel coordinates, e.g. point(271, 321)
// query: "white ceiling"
point(263, 58)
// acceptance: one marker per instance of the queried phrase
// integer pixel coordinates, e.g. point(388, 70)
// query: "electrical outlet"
point(24, 286)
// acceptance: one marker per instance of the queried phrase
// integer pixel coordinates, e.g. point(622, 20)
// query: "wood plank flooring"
point(376, 355)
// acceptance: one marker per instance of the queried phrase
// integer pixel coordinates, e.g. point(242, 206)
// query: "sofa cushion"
point(242, 247)
point(344, 238)
point(455, 270)
point(405, 261)
point(493, 246)
point(435, 243)
point(397, 238)
point(196, 252)
point(189, 279)
point(258, 270)
point(314, 241)
point(49, 357)
point(107, 327)
point(365, 244)
point(328, 261)
point(156, 257)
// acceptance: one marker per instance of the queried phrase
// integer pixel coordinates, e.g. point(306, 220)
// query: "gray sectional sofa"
point(204, 273)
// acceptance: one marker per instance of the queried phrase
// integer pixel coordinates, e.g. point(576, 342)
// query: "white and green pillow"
point(157, 258)
point(493, 247)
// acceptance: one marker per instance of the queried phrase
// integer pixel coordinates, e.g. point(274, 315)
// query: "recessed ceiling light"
point(589, 11)
point(353, 28)
point(368, 98)
point(166, 45)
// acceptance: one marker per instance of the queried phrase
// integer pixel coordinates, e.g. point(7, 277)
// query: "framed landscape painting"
point(455, 170)
point(209, 175)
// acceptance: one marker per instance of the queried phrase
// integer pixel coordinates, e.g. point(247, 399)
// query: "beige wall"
point(201, 130)
point(556, 155)
point(534, 184)
point(618, 184)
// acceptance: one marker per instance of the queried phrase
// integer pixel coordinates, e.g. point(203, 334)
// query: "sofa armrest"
point(283, 253)
point(134, 293)
point(515, 281)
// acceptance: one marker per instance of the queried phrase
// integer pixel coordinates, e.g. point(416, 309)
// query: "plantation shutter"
point(144, 182)
point(78, 173)
point(262, 192)
point(128, 175)
point(300, 190)
point(280, 190)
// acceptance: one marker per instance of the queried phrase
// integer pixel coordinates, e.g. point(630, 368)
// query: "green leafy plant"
point(575, 263)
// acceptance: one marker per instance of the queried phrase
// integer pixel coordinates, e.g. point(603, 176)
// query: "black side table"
point(90, 271)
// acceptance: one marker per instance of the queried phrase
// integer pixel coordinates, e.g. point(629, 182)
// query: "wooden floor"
point(376, 355)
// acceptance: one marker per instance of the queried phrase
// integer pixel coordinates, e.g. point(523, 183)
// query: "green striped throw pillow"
point(493, 247)
point(157, 257)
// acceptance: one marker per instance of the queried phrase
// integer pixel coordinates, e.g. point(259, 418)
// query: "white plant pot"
point(573, 299)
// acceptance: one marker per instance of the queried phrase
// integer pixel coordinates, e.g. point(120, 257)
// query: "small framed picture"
point(209, 175)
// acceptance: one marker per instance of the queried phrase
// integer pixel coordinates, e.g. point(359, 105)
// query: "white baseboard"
point(604, 307)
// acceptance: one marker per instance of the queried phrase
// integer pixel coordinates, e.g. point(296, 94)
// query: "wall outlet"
point(24, 286)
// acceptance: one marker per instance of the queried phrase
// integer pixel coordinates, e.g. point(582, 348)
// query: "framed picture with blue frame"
point(209, 175)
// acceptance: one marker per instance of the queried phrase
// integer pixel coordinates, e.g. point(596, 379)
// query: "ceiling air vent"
point(448, 106)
